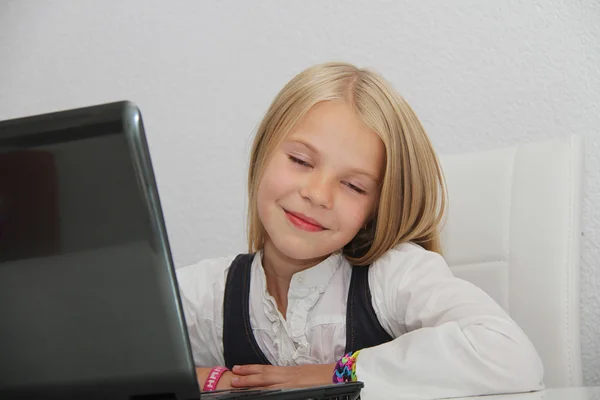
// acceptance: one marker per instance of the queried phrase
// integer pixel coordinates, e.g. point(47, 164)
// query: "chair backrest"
point(513, 229)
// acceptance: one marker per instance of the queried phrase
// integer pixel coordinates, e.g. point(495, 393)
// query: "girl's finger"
point(250, 369)
point(254, 381)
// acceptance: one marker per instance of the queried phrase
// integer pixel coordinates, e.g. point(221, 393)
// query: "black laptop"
point(89, 305)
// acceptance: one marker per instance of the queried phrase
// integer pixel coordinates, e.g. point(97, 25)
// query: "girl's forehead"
point(333, 129)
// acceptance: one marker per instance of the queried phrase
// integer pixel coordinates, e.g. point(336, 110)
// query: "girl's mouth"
point(303, 222)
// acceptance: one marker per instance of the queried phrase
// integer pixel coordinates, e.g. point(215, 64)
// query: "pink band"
point(213, 378)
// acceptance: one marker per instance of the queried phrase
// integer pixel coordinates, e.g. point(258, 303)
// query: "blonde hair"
point(413, 196)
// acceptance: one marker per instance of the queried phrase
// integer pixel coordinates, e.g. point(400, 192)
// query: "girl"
point(344, 279)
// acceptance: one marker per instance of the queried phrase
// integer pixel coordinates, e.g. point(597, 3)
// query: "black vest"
point(240, 348)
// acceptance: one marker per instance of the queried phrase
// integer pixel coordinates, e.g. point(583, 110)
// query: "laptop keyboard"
point(270, 394)
point(345, 391)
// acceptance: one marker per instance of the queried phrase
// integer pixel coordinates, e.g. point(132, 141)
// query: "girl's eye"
point(299, 161)
point(355, 188)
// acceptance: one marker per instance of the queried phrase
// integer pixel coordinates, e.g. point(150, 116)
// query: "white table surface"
point(575, 393)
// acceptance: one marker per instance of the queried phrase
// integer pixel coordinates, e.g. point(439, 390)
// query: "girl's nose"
point(319, 190)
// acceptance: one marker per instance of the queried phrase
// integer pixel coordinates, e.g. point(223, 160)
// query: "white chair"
point(513, 229)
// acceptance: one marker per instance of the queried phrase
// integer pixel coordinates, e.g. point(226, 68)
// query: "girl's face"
point(320, 186)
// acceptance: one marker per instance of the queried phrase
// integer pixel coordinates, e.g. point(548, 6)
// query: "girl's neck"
point(279, 270)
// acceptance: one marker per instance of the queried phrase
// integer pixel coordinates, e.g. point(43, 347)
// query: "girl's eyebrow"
point(305, 144)
point(351, 170)
point(364, 173)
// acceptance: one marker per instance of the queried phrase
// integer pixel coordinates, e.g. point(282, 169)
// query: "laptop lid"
point(89, 304)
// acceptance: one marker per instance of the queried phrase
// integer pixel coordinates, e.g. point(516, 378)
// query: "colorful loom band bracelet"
point(345, 368)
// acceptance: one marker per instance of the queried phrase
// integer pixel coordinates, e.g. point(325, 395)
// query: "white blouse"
point(451, 338)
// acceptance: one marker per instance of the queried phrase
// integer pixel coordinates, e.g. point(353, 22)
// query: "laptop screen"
point(69, 197)
point(86, 289)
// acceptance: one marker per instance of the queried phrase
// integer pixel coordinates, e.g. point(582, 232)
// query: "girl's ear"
point(362, 242)
point(373, 215)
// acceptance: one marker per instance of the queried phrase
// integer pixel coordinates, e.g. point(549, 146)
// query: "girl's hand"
point(268, 376)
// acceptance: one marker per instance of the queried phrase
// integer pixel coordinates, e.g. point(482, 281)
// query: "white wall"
point(480, 73)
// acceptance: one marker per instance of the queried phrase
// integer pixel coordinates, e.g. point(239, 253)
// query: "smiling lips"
point(303, 222)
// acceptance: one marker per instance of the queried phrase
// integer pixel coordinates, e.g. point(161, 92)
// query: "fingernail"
point(235, 380)
point(235, 367)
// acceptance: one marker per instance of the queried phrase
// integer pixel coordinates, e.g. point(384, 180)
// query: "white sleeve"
point(202, 288)
point(452, 339)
